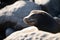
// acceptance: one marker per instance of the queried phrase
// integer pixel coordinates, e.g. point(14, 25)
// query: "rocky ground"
point(32, 33)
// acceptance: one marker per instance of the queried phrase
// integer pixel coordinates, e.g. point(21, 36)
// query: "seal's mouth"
point(30, 22)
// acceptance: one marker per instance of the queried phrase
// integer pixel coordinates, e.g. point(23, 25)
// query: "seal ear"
point(57, 19)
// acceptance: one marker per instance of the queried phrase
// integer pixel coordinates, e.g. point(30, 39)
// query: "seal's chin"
point(29, 22)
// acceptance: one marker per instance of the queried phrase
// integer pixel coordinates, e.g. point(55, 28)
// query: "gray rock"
point(17, 11)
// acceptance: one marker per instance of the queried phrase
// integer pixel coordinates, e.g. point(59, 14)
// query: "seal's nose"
point(25, 20)
point(28, 20)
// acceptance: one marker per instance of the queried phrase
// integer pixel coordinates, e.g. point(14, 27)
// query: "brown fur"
point(43, 21)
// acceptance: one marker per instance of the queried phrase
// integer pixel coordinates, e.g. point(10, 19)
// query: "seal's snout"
point(29, 21)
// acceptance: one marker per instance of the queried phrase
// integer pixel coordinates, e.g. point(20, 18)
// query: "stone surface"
point(32, 33)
